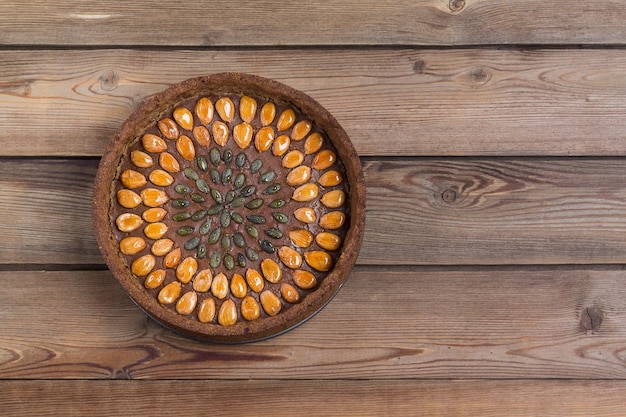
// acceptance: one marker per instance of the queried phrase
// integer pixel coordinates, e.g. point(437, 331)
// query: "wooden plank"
point(434, 211)
point(269, 23)
point(319, 398)
point(386, 323)
point(419, 102)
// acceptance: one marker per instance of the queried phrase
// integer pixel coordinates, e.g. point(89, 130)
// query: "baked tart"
point(230, 207)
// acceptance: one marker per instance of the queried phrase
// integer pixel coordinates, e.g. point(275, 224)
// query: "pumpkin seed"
point(267, 246)
point(213, 210)
point(217, 196)
point(254, 204)
point(185, 230)
point(237, 218)
point(180, 203)
point(255, 166)
point(229, 197)
point(240, 160)
point(280, 217)
point(240, 180)
point(229, 261)
point(238, 240)
point(252, 231)
point(241, 260)
point(272, 189)
point(182, 189)
point(225, 219)
point(225, 243)
point(191, 174)
point(201, 252)
point(251, 254)
point(202, 163)
point(215, 260)
point(198, 215)
point(228, 156)
point(205, 227)
point(238, 202)
point(181, 216)
point(267, 177)
point(277, 203)
point(227, 175)
point(215, 176)
point(247, 191)
point(203, 186)
point(197, 198)
point(274, 233)
point(256, 219)
point(214, 156)
point(214, 236)
point(192, 243)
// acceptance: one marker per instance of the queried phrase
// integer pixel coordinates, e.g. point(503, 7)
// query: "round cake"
point(230, 207)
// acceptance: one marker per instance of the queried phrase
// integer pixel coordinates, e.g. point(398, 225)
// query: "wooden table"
point(490, 281)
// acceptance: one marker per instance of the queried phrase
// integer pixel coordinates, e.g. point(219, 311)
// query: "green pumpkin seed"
point(215, 260)
point(255, 166)
point(228, 156)
point(226, 242)
point(230, 196)
point(213, 210)
point(203, 186)
point(240, 160)
point(214, 236)
point(229, 261)
point(254, 204)
point(180, 203)
point(267, 246)
point(201, 252)
point(238, 240)
point(277, 203)
point(215, 176)
point(256, 219)
point(237, 218)
point(280, 217)
point(182, 189)
point(272, 189)
point(214, 156)
point(252, 231)
point(273, 233)
point(185, 230)
point(206, 226)
point(267, 177)
point(251, 254)
point(240, 180)
point(238, 202)
point(192, 243)
point(202, 163)
point(197, 198)
point(181, 216)
point(241, 260)
point(217, 196)
point(247, 191)
point(225, 219)
point(198, 215)
point(191, 174)
point(227, 175)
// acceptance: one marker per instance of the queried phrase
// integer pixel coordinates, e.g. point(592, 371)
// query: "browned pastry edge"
point(147, 114)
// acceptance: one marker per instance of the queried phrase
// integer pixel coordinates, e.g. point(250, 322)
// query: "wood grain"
point(451, 102)
point(430, 211)
point(321, 398)
point(386, 323)
point(263, 23)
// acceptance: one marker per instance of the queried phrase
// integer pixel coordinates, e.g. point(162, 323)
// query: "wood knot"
point(419, 66)
point(591, 318)
point(109, 80)
point(479, 76)
point(456, 5)
point(449, 196)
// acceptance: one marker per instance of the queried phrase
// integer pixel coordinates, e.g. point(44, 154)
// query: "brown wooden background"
point(490, 281)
